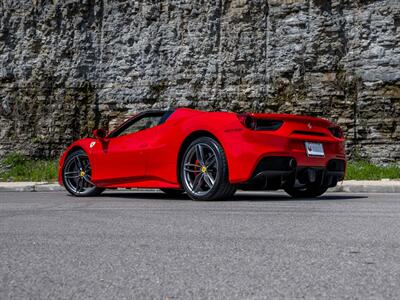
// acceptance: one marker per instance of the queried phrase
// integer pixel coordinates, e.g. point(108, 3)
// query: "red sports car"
point(208, 155)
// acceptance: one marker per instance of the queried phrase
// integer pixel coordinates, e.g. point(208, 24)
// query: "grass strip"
point(362, 170)
point(18, 167)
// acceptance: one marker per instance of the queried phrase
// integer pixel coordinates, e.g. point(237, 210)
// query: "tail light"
point(247, 121)
point(336, 132)
point(259, 124)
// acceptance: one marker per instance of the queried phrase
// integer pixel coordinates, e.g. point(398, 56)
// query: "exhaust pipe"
point(312, 175)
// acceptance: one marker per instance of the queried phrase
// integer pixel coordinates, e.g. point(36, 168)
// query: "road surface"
point(141, 245)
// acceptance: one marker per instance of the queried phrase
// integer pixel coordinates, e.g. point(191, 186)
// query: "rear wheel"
point(173, 192)
point(305, 192)
point(77, 175)
point(204, 171)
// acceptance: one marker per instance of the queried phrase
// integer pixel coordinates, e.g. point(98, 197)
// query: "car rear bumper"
point(275, 172)
point(247, 157)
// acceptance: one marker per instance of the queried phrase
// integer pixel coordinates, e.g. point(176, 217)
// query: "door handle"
point(144, 145)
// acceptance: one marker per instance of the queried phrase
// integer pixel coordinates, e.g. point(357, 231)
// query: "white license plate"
point(314, 149)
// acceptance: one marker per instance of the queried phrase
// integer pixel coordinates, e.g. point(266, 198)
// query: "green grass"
point(17, 167)
point(362, 170)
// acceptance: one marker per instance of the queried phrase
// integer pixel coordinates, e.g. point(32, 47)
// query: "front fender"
point(83, 144)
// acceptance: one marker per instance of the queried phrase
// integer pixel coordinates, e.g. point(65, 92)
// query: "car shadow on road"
point(282, 197)
point(237, 197)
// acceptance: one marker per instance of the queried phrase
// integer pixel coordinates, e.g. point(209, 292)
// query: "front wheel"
point(77, 175)
point(305, 192)
point(204, 171)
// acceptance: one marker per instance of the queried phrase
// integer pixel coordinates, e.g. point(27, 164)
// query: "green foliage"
point(362, 170)
point(18, 167)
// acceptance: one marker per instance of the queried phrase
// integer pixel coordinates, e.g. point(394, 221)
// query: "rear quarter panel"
point(172, 135)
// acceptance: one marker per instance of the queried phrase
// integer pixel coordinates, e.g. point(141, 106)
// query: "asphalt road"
point(148, 246)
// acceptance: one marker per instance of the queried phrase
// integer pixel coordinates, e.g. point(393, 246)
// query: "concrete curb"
point(368, 186)
point(349, 186)
point(30, 187)
point(48, 187)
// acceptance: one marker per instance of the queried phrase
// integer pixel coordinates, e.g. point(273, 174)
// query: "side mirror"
point(99, 134)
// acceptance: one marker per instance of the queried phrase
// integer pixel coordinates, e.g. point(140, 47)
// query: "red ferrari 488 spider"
point(208, 155)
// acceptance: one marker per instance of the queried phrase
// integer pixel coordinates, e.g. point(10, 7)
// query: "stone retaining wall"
point(67, 67)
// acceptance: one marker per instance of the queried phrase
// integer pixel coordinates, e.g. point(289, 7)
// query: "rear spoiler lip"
point(295, 118)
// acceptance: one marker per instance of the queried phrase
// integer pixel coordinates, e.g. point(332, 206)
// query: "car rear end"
point(280, 149)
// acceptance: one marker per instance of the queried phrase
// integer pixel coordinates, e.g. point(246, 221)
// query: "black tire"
point(88, 189)
point(306, 192)
point(221, 188)
point(173, 192)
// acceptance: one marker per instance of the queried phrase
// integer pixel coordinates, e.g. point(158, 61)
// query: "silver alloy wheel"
point(77, 174)
point(200, 169)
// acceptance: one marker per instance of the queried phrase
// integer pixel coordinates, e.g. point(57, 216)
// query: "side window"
point(141, 124)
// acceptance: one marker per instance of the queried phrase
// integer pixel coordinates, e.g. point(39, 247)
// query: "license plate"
point(314, 149)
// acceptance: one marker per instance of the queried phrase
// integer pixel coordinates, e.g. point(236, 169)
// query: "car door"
point(121, 157)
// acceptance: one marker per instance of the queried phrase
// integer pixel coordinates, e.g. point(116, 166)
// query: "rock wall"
point(69, 66)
